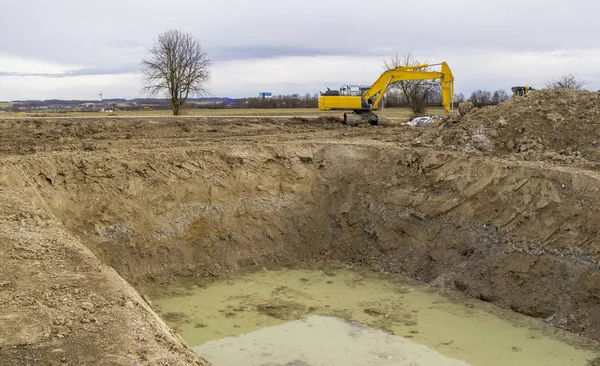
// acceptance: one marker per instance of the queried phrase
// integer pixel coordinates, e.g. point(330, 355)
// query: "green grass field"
point(393, 113)
point(5, 105)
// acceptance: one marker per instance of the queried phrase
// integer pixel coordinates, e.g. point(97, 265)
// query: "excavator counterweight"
point(369, 99)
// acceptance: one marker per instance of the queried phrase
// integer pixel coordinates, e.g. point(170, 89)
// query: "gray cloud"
point(231, 53)
point(88, 38)
point(80, 31)
point(88, 71)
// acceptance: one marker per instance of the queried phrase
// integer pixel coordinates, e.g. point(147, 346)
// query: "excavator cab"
point(521, 91)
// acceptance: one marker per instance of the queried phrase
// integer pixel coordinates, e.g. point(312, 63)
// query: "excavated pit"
point(169, 202)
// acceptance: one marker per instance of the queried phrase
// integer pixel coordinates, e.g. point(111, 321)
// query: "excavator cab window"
point(351, 90)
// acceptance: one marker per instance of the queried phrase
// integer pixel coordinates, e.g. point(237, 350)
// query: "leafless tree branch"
point(565, 82)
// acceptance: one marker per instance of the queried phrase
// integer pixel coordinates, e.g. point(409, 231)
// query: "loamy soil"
point(501, 204)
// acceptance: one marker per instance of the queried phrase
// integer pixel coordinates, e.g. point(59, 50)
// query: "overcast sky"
point(75, 49)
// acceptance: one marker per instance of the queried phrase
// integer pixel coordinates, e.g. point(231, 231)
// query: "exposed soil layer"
point(177, 200)
point(61, 305)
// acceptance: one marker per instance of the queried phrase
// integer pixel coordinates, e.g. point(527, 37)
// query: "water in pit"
point(267, 318)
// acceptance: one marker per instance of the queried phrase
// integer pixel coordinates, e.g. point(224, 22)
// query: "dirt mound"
point(329, 119)
point(321, 120)
point(558, 125)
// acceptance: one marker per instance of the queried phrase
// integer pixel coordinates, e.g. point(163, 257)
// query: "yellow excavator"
point(363, 100)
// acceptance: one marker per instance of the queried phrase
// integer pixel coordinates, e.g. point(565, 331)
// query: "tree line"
point(279, 101)
point(479, 98)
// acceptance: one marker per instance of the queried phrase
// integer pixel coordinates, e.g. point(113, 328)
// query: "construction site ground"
point(399, 114)
point(501, 203)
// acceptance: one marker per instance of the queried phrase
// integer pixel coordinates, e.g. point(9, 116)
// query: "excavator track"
point(353, 119)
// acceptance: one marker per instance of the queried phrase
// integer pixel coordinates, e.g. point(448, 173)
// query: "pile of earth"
point(559, 125)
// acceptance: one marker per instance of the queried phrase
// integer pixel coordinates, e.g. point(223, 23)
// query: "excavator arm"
point(417, 72)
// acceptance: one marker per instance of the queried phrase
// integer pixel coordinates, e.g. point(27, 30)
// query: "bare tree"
point(416, 92)
point(499, 96)
point(565, 82)
point(481, 98)
point(459, 98)
point(435, 98)
point(177, 66)
point(395, 98)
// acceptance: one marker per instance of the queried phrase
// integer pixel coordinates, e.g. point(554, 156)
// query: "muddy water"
point(321, 341)
point(461, 329)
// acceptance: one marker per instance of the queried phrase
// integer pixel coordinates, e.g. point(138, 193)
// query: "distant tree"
point(280, 101)
point(177, 66)
point(499, 96)
point(459, 98)
point(481, 98)
point(416, 92)
point(565, 82)
point(434, 98)
point(395, 98)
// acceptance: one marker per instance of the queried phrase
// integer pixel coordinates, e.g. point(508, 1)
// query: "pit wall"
point(62, 306)
point(523, 236)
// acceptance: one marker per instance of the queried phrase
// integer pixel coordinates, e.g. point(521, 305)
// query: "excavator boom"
point(372, 97)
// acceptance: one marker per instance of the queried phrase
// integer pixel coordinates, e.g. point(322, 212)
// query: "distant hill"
point(157, 101)
point(123, 104)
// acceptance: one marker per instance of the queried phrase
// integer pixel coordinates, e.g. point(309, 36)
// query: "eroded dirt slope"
point(61, 306)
